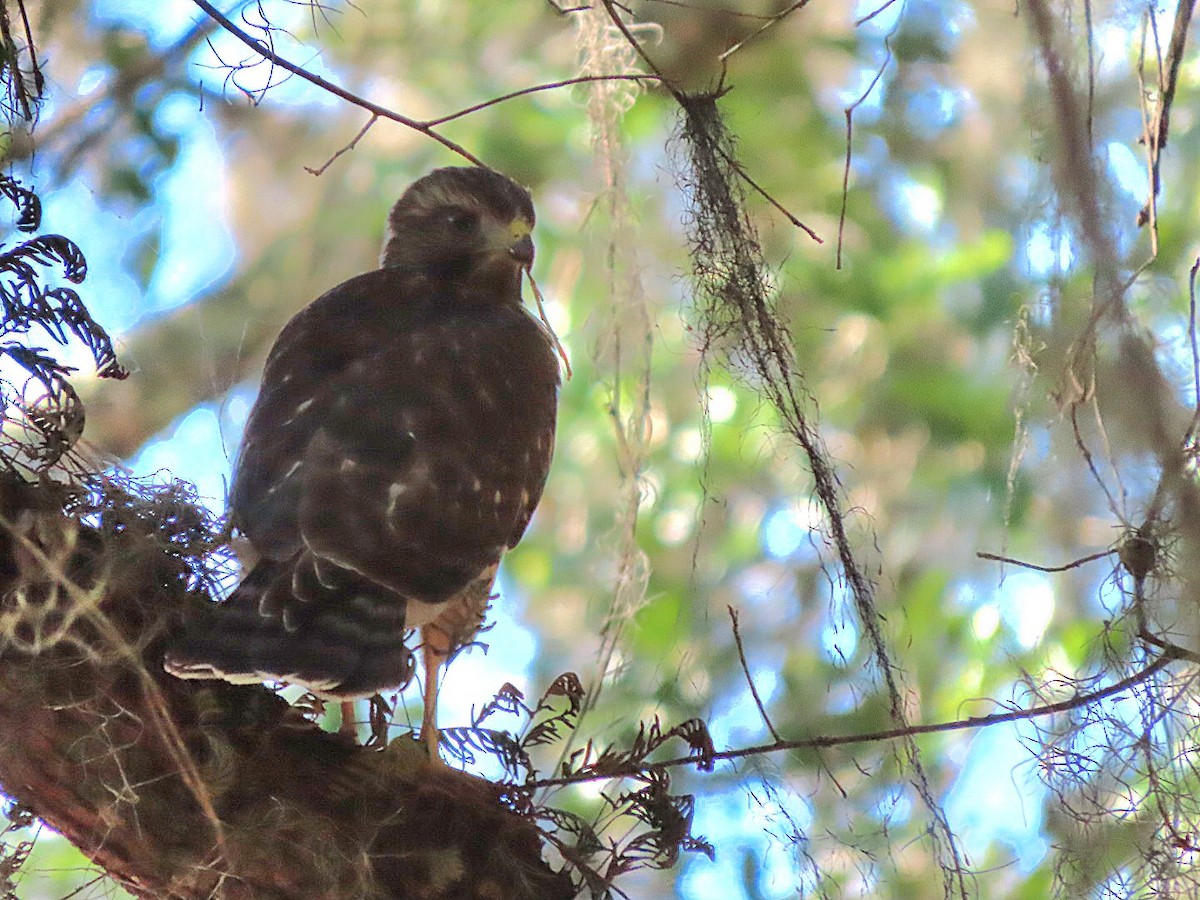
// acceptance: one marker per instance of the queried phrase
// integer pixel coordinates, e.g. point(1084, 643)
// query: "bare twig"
point(737, 167)
point(541, 308)
point(425, 127)
point(1088, 458)
point(611, 8)
point(1017, 715)
point(682, 100)
point(1156, 135)
point(771, 23)
point(337, 90)
point(863, 20)
point(1144, 634)
point(849, 114)
point(1148, 215)
point(346, 149)
point(550, 86)
point(1190, 435)
point(1091, 69)
point(25, 98)
point(737, 639)
point(1074, 564)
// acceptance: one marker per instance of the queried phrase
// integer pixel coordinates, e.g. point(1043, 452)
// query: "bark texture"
point(194, 789)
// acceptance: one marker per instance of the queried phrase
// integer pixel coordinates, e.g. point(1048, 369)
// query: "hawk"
point(397, 449)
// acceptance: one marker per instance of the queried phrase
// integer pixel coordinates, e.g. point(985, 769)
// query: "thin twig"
point(849, 113)
point(383, 112)
point(774, 20)
point(610, 8)
point(35, 68)
point(14, 76)
point(1091, 70)
point(1148, 215)
point(1190, 434)
point(995, 557)
point(549, 86)
point(541, 308)
point(1144, 634)
point(350, 146)
point(1088, 458)
point(87, 885)
point(681, 99)
point(817, 743)
point(873, 13)
point(737, 167)
point(425, 127)
point(737, 639)
point(1157, 136)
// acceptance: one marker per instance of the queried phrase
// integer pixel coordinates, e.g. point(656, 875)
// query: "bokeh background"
point(179, 164)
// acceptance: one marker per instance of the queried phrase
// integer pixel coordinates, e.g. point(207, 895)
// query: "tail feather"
point(345, 643)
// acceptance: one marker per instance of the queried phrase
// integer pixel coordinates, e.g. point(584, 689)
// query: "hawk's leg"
point(454, 627)
point(348, 726)
point(435, 649)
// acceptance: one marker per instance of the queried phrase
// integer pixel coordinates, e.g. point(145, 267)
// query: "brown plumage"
point(398, 447)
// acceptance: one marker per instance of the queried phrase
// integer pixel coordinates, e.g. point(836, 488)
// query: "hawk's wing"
point(306, 364)
point(408, 441)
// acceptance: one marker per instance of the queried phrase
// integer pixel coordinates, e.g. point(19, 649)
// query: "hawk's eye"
point(462, 221)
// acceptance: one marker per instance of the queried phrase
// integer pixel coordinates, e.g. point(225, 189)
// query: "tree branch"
point(337, 90)
point(425, 127)
point(888, 734)
point(294, 812)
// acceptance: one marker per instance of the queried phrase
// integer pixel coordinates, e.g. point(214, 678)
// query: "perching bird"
point(397, 449)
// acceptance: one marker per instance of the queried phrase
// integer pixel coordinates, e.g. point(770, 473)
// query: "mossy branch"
point(98, 742)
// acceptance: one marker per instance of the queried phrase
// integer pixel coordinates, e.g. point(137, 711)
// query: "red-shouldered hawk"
point(398, 447)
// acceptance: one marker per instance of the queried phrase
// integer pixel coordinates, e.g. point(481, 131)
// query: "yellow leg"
point(348, 726)
point(453, 627)
point(432, 659)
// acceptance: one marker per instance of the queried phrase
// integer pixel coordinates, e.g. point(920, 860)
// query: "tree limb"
point(300, 813)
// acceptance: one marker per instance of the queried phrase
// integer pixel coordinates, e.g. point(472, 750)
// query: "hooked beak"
point(522, 251)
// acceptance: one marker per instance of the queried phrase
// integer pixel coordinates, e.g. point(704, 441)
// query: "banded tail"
point(299, 621)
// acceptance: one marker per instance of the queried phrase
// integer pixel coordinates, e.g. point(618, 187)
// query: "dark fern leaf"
point(583, 835)
point(45, 250)
point(544, 732)
point(68, 310)
point(43, 417)
point(507, 700)
point(57, 311)
point(28, 204)
point(464, 743)
point(578, 844)
point(667, 819)
point(565, 685)
point(693, 844)
point(597, 885)
point(588, 762)
point(24, 305)
point(695, 733)
point(654, 824)
point(549, 729)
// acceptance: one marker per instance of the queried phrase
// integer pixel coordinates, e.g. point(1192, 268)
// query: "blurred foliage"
point(912, 348)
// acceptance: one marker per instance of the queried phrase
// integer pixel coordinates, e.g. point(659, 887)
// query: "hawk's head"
point(469, 226)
